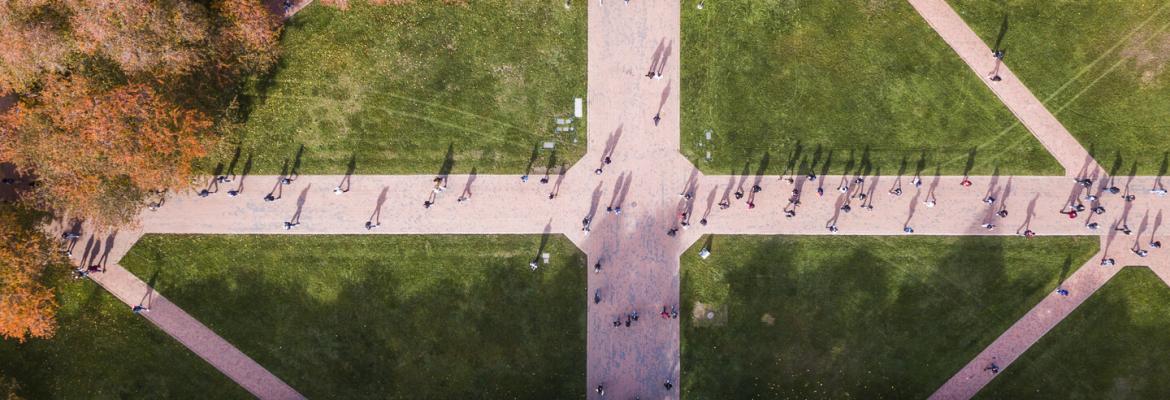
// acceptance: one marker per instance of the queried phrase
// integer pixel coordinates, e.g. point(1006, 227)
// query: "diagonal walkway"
point(1032, 326)
point(1027, 108)
point(107, 250)
point(233, 363)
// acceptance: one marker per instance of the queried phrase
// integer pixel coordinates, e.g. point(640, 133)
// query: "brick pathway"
point(640, 262)
point(1037, 322)
point(1027, 108)
point(108, 249)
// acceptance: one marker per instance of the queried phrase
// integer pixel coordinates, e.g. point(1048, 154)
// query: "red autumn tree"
point(33, 44)
point(142, 36)
point(27, 306)
point(97, 151)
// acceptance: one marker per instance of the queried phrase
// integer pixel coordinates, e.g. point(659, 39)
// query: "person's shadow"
point(296, 219)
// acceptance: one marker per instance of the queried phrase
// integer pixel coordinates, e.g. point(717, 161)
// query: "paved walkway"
point(108, 249)
point(1027, 108)
point(646, 179)
point(1037, 322)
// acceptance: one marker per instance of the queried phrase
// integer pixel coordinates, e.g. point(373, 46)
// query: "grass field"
point(103, 351)
point(396, 86)
point(1113, 346)
point(865, 80)
point(408, 317)
point(856, 317)
point(1103, 67)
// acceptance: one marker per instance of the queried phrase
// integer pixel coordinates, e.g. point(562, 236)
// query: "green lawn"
point(856, 317)
point(848, 77)
point(1103, 67)
point(103, 351)
point(409, 317)
point(1114, 346)
point(396, 86)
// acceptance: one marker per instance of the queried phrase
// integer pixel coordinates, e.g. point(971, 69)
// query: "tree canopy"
point(119, 97)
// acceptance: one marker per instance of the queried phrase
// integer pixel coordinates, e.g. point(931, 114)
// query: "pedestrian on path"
point(907, 229)
point(657, 117)
point(597, 267)
point(1028, 234)
point(674, 312)
point(371, 225)
point(664, 314)
point(965, 183)
point(1139, 251)
point(667, 384)
point(597, 296)
point(139, 309)
point(1155, 244)
point(288, 225)
point(994, 75)
point(1062, 292)
point(1108, 262)
point(601, 388)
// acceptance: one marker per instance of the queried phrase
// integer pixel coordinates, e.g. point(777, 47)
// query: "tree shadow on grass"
point(850, 317)
point(397, 327)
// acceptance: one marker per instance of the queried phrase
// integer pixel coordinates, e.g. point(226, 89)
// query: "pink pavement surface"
point(1042, 318)
point(1027, 108)
point(108, 249)
point(640, 263)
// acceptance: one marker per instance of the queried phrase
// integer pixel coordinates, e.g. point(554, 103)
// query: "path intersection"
point(648, 179)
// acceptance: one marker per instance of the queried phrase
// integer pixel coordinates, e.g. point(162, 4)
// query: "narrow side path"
point(107, 250)
point(233, 363)
point(1030, 111)
point(1085, 281)
point(1026, 331)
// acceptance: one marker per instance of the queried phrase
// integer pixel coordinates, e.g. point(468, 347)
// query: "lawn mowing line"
point(439, 122)
point(1105, 53)
point(411, 99)
point(1107, 71)
point(401, 113)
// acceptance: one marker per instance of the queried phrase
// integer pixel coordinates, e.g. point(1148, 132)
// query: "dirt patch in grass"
point(1151, 52)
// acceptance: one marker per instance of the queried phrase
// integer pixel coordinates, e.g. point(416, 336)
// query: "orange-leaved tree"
point(27, 306)
point(97, 151)
point(33, 44)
